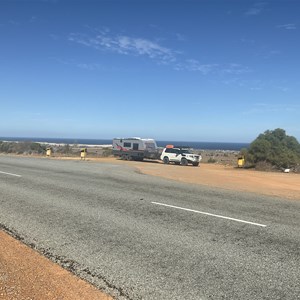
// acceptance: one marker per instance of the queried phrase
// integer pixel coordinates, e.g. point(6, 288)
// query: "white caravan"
point(135, 148)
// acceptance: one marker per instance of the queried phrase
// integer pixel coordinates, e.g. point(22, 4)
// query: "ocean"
point(194, 145)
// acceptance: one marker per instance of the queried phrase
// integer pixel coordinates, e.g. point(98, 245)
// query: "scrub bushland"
point(21, 147)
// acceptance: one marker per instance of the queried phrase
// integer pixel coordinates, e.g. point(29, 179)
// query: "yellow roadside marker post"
point(48, 152)
point(241, 161)
point(83, 153)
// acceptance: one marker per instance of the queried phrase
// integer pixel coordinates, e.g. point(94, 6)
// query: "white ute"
point(180, 155)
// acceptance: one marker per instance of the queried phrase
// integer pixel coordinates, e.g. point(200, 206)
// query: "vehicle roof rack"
point(185, 147)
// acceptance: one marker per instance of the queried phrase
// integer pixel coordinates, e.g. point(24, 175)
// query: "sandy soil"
point(25, 274)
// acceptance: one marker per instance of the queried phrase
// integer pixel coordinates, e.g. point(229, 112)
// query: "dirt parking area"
point(286, 185)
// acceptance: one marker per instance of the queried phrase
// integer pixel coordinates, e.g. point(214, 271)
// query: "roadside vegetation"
point(273, 150)
point(31, 148)
point(21, 148)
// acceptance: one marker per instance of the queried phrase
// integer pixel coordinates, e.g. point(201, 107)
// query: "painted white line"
point(209, 214)
point(11, 174)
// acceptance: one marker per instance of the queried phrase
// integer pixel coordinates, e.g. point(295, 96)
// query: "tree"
point(276, 148)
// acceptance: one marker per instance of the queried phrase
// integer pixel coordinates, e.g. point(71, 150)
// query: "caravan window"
point(127, 145)
point(150, 146)
point(135, 146)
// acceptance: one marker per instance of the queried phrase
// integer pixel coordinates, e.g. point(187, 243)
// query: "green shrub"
point(276, 148)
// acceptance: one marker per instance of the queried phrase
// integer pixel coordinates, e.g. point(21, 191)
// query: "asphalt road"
point(141, 237)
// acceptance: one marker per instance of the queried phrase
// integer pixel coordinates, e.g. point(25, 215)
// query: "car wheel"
point(129, 157)
point(166, 160)
point(184, 162)
point(195, 164)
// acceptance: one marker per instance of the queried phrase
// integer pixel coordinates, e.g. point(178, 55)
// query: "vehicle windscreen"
point(187, 151)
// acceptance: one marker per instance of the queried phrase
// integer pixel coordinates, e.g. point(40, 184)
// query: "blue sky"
point(173, 70)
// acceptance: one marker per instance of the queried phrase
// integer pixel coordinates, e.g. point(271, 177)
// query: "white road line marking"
point(11, 174)
point(209, 214)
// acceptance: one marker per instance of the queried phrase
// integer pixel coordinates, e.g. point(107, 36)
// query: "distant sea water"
point(195, 145)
